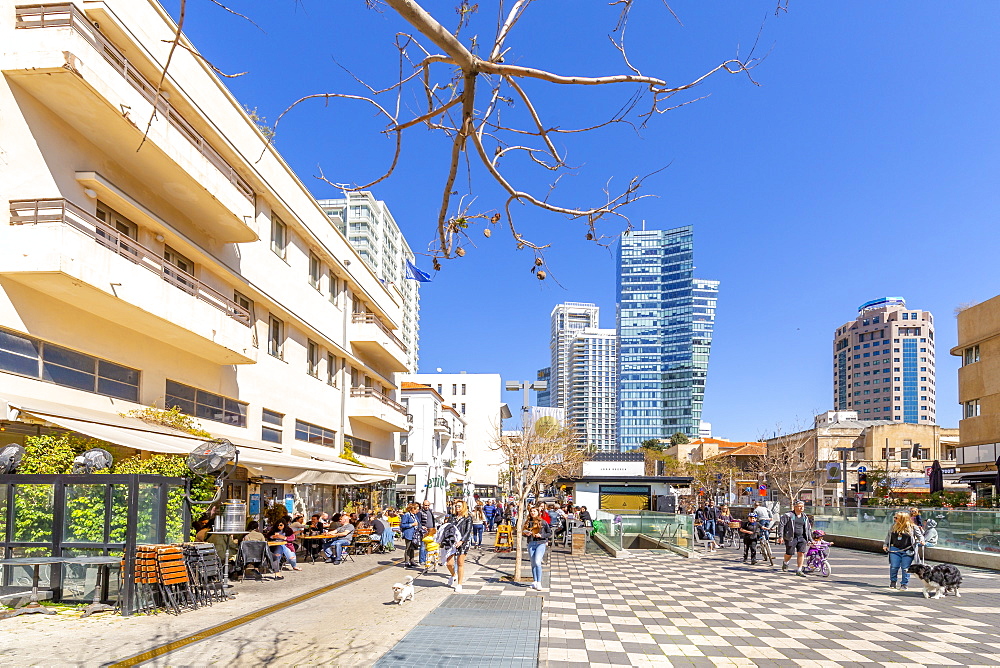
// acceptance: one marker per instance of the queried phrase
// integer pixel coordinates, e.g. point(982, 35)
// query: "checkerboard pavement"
point(656, 608)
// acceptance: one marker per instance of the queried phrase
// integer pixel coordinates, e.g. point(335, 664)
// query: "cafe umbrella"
point(936, 477)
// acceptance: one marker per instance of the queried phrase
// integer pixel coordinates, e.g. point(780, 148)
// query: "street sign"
point(862, 469)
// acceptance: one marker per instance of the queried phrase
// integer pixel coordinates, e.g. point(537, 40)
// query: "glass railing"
point(969, 530)
point(664, 527)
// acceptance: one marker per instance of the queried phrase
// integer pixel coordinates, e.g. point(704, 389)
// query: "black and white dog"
point(939, 580)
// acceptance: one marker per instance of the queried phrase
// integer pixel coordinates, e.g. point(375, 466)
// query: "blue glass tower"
point(665, 322)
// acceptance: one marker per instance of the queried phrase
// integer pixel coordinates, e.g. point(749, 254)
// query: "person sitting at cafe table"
point(253, 532)
point(340, 538)
point(281, 531)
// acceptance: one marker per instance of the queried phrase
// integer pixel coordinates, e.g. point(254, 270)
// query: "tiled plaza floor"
point(655, 608)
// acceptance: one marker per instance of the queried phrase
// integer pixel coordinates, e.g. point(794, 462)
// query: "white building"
point(592, 402)
point(187, 266)
point(433, 450)
point(373, 232)
point(565, 321)
point(476, 397)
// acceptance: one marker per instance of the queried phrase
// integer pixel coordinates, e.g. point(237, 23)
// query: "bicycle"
point(732, 538)
point(816, 559)
point(764, 549)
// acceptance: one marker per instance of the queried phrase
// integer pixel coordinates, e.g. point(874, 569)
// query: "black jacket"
point(425, 518)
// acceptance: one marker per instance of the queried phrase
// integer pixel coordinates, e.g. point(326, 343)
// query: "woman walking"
point(408, 527)
point(455, 561)
point(537, 531)
point(478, 525)
point(901, 544)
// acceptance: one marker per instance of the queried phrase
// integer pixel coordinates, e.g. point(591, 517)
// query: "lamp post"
point(525, 386)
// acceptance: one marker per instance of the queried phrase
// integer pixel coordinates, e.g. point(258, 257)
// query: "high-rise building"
point(583, 375)
point(592, 404)
point(665, 322)
point(566, 320)
point(373, 232)
point(543, 397)
point(883, 363)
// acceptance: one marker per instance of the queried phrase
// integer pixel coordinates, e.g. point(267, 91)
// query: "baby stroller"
point(818, 555)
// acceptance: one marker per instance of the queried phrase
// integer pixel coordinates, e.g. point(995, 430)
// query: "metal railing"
point(442, 422)
point(63, 212)
point(68, 15)
point(372, 319)
point(370, 392)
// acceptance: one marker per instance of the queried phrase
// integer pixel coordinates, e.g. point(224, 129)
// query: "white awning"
point(260, 457)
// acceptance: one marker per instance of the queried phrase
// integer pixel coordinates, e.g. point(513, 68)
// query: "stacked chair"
point(177, 577)
point(205, 573)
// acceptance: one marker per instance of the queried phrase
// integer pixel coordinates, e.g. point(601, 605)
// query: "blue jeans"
point(536, 550)
point(339, 544)
point(477, 534)
point(280, 551)
point(710, 528)
point(899, 560)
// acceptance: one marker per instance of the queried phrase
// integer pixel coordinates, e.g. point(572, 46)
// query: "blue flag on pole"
point(413, 273)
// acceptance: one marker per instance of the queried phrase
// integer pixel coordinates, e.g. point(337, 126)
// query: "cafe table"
point(103, 566)
point(32, 606)
point(318, 536)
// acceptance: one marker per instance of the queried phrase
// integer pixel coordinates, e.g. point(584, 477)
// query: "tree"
point(789, 465)
point(653, 444)
point(479, 96)
point(679, 438)
point(535, 457)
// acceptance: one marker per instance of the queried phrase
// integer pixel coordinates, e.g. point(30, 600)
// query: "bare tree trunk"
point(517, 539)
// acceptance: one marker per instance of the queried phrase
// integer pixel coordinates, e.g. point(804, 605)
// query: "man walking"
point(711, 519)
point(425, 521)
point(795, 531)
point(489, 510)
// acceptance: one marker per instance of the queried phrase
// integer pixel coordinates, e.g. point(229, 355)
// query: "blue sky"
point(865, 164)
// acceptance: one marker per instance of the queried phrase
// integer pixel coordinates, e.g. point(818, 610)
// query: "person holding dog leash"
point(901, 543)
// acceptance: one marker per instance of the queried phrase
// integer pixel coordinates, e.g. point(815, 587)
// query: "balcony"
point(68, 65)
point(68, 254)
point(374, 340)
point(373, 408)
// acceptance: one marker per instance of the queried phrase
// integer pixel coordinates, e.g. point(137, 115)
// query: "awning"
point(260, 457)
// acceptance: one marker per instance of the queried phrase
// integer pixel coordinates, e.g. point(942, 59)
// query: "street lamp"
point(526, 386)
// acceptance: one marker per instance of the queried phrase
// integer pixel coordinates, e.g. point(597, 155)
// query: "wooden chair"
point(364, 540)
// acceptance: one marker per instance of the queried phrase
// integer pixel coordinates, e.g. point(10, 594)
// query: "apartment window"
point(28, 356)
point(279, 237)
point(904, 458)
point(312, 359)
point(118, 223)
point(359, 445)
point(970, 355)
point(184, 278)
point(206, 405)
point(331, 369)
point(463, 409)
point(315, 270)
point(276, 338)
point(440, 391)
point(891, 454)
point(336, 285)
point(311, 433)
point(970, 409)
point(454, 389)
point(270, 430)
point(463, 389)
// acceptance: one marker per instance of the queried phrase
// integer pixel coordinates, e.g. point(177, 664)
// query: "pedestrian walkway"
point(656, 608)
point(493, 622)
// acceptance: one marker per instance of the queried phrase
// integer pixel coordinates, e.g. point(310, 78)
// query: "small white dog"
point(403, 591)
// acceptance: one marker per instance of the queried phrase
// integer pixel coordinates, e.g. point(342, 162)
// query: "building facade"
point(592, 402)
point(903, 451)
point(884, 363)
point(433, 450)
point(375, 235)
point(565, 321)
point(181, 266)
point(542, 397)
point(979, 394)
point(476, 397)
point(666, 318)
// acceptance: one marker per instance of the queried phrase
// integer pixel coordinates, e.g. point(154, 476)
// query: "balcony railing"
point(443, 424)
point(63, 212)
point(68, 15)
point(371, 318)
point(406, 456)
point(369, 392)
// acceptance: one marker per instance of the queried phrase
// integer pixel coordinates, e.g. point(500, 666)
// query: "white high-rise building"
point(374, 233)
point(592, 404)
point(476, 397)
point(584, 373)
point(883, 363)
point(566, 319)
point(433, 451)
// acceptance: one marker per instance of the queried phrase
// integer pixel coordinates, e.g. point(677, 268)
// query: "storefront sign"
point(255, 504)
point(290, 502)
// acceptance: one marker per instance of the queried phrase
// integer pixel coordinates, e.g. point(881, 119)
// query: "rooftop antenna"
point(644, 225)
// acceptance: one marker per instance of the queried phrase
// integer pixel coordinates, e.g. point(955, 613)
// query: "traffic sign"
point(862, 469)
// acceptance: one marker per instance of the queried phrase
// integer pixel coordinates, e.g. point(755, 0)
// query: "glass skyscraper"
point(665, 322)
